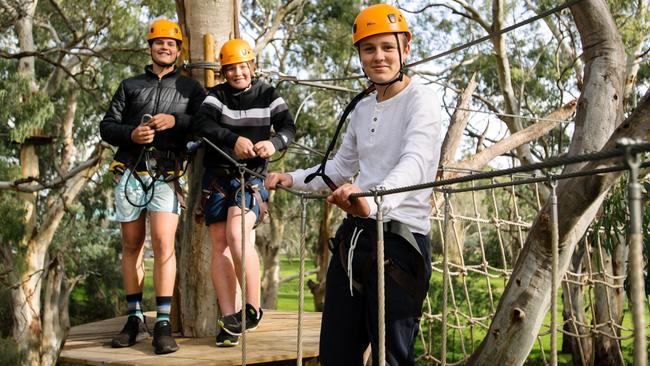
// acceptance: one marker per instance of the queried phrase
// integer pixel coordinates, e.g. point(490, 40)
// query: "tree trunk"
point(323, 257)
point(195, 295)
point(574, 312)
point(457, 124)
point(39, 328)
point(270, 253)
point(526, 298)
point(608, 303)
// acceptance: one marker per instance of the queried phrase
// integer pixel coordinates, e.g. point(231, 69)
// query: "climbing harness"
point(156, 163)
point(231, 173)
point(350, 232)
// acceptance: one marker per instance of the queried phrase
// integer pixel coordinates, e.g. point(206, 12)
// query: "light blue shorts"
point(127, 203)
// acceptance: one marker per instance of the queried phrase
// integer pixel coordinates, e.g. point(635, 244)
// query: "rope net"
point(485, 233)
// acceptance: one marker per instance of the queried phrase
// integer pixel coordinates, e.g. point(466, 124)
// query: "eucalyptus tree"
point(59, 63)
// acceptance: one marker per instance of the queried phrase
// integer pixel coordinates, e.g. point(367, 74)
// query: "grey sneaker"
point(134, 331)
point(163, 342)
point(226, 340)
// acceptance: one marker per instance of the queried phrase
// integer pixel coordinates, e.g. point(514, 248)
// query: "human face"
point(238, 75)
point(164, 51)
point(380, 56)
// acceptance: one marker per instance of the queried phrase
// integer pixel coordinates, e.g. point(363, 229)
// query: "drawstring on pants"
point(353, 243)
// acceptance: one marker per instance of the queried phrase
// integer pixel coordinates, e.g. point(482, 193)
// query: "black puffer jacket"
point(173, 94)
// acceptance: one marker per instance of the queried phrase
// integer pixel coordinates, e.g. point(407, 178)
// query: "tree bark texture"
point(39, 325)
point(457, 124)
point(609, 298)
point(574, 312)
point(197, 303)
point(270, 254)
point(526, 298)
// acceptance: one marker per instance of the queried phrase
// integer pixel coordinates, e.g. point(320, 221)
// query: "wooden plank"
point(275, 340)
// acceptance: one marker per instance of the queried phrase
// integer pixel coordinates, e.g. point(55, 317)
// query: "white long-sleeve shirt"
point(394, 143)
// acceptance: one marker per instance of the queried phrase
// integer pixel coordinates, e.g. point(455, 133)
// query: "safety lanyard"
point(320, 172)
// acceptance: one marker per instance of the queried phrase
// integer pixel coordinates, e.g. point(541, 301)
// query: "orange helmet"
point(377, 19)
point(164, 28)
point(235, 51)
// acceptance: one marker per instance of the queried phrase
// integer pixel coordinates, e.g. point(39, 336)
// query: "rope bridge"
point(498, 224)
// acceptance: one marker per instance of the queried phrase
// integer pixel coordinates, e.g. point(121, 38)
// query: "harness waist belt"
point(393, 227)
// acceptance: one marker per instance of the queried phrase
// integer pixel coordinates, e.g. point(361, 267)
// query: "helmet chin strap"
point(400, 74)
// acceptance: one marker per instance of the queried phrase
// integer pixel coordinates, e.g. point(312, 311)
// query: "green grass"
point(289, 291)
point(480, 306)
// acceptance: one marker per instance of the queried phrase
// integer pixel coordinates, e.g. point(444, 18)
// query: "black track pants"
point(350, 322)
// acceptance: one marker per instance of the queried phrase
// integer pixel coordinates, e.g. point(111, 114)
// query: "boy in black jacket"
point(238, 116)
point(148, 120)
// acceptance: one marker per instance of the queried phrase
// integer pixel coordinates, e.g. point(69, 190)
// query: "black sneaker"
point(253, 317)
point(231, 324)
point(163, 342)
point(134, 331)
point(226, 340)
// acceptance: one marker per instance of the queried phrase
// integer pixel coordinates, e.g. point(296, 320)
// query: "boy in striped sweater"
point(238, 116)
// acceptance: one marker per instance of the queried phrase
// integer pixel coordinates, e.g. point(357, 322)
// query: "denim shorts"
point(229, 195)
point(126, 203)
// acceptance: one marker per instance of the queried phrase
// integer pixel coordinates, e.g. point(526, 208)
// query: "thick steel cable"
point(549, 163)
point(381, 299)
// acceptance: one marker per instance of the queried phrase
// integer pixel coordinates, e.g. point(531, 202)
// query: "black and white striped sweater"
point(227, 113)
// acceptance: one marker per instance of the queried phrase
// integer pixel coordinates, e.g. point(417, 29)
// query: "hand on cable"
point(274, 179)
point(143, 134)
point(264, 149)
point(357, 206)
point(161, 122)
point(244, 148)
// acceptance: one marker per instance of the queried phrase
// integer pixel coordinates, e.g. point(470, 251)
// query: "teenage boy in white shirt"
point(393, 140)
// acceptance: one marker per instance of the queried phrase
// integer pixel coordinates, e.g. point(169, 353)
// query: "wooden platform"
point(274, 342)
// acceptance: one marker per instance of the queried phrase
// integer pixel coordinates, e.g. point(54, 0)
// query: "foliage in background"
point(614, 222)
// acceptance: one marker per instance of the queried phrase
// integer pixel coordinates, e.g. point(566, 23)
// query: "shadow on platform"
point(274, 342)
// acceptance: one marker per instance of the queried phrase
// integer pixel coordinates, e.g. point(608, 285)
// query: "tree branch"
point(281, 12)
point(25, 184)
point(475, 15)
point(534, 131)
point(66, 21)
point(457, 124)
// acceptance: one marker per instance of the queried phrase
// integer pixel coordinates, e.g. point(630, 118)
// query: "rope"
point(381, 297)
point(242, 207)
point(301, 284)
